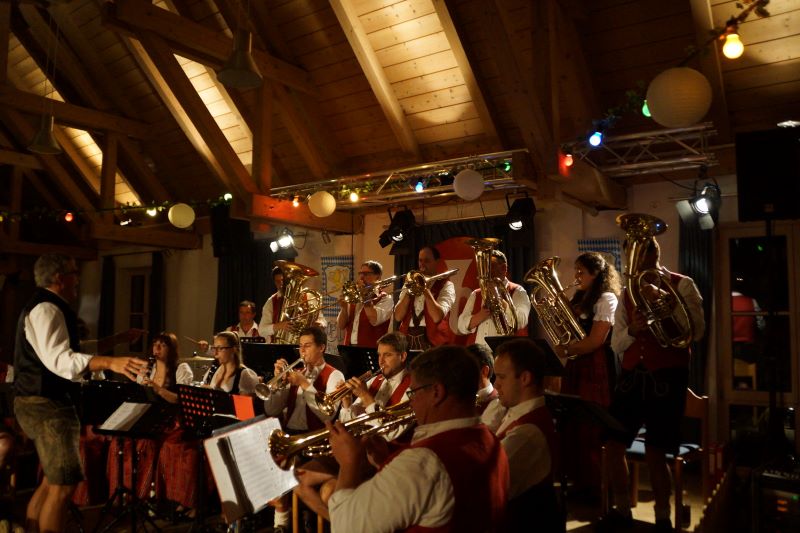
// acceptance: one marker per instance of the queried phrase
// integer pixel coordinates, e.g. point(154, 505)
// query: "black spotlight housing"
point(402, 222)
point(703, 207)
point(520, 213)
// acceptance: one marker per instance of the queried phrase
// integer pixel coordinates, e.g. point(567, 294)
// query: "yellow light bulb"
point(733, 46)
point(354, 197)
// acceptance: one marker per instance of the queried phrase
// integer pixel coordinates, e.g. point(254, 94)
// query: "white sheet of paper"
point(125, 416)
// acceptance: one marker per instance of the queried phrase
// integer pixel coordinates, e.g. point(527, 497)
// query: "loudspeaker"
point(768, 174)
point(228, 234)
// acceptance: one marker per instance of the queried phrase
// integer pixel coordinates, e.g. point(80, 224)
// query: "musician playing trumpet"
point(476, 321)
point(363, 323)
point(296, 404)
point(424, 318)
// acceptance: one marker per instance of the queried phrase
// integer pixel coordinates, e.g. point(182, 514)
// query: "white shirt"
point(522, 308)
point(384, 308)
point(247, 381)
point(621, 341)
point(381, 398)
point(446, 299)
point(526, 447)
point(604, 308)
point(493, 415)
point(46, 331)
point(252, 332)
point(183, 374)
point(297, 418)
point(412, 489)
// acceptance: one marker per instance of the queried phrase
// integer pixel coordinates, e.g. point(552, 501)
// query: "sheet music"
point(241, 463)
point(125, 416)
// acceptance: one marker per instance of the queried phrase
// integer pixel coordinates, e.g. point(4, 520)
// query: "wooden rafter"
point(465, 67)
point(73, 115)
point(108, 175)
point(234, 172)
point(373, 70)
point(262, 139)
point(21, 159)
point(5, 32)
point(10, 246)
point(195, 41)
point(146, 236)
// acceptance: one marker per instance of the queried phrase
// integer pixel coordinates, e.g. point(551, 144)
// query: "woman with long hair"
point(589, 370)
point(231, 376)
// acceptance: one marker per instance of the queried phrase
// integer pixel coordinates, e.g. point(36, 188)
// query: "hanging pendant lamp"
point(240, 70)
point(44, 142)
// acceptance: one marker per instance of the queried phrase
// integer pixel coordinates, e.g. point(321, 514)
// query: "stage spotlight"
point(704, 207)
point(285, 240)
point(399, 227)
point(520, 213)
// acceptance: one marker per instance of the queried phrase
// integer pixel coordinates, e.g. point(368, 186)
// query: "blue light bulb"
point(596, 138)
point(419, 187)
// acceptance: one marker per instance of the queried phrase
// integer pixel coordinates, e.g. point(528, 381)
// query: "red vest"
point(478, 469)
point(311, 418)
point(541, 418)
point(744, 327)
point(522, 332)
point(368, 334)
point(646, 351)
point(397, 394)
point(253, 330)
point(437, 334)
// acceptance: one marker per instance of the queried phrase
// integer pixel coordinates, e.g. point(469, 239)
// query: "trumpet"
point(327, 403)
point(417, 282)
point(265, 390)
point(287, 449)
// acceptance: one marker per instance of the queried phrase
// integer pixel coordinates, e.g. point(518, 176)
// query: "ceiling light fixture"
point(520, 213)
point(44, 142)
point(399, 227)
point(703, 207)
point(240, 70)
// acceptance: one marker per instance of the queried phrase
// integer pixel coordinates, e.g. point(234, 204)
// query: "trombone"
point(327, 403)
point(265, 390)
point(417, 282)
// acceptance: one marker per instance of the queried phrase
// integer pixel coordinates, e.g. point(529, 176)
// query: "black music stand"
point(202, 410)
point(357, 359)
point(148, 424)
point(261, 356)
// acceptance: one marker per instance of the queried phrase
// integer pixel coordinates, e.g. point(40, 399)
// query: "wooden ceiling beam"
point(234, 171)
point(282, 211)
point(465, 67)
point(19, 159)
point(10, 246)
point(146, 236)
point(23, 130)
point(16, 200)
point(108, 177)
point(262, 138)
point(376, 76)
point(73, 115)
point(186, 36)
point(5, 33)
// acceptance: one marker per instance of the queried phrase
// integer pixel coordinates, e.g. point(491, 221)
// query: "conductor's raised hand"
point(130, 367)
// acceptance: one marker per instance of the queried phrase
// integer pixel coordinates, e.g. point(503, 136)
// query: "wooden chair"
point(693, 448)
point(296, 516)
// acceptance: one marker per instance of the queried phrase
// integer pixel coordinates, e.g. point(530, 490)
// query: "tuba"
point(664, 309)
point(552, 307)
point(300, 305)
point(416, 282)
point(493, 290)
point(287, 449)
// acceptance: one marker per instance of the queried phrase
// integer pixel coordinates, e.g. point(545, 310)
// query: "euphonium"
point(287, 449)
point(416, 282)
point(551, 305)
point(327, 403)
point(493, 291)
point(650, 289)
point(300, 305)
point(265, 390)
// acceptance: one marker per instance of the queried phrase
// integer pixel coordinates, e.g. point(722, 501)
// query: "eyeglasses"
point(220, 348)
point(412, 392)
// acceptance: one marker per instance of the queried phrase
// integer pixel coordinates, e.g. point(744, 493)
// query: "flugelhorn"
point(327, 403)
point(265, 390)
point(417, 282)
point(287, 449)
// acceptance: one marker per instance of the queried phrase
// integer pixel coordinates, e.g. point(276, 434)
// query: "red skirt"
point(178, 470)
point(147, 453)
point(93, 450)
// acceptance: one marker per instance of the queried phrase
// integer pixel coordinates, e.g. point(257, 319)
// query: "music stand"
point(140, 422)
point(553, 364)
point(358, 359)
point(252, 340)
point(261, 356)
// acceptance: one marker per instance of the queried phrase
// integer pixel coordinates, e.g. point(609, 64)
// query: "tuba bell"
point(287, 449)
point(650, 289)
point(493, 291)
point(551, 305)
point(300, 305)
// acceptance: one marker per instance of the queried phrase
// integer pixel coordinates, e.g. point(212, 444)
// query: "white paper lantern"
point(181, 215)
point(322, 204)
point(679, 97)
point(468, 184)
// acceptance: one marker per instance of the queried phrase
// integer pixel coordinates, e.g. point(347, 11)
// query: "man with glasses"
point(296, 404)
point(425, 318)
point(454, 475)
point(364, 323)
point(46, 361)
point(384, 390)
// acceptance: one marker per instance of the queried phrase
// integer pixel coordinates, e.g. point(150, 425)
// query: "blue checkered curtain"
point(609, 245)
